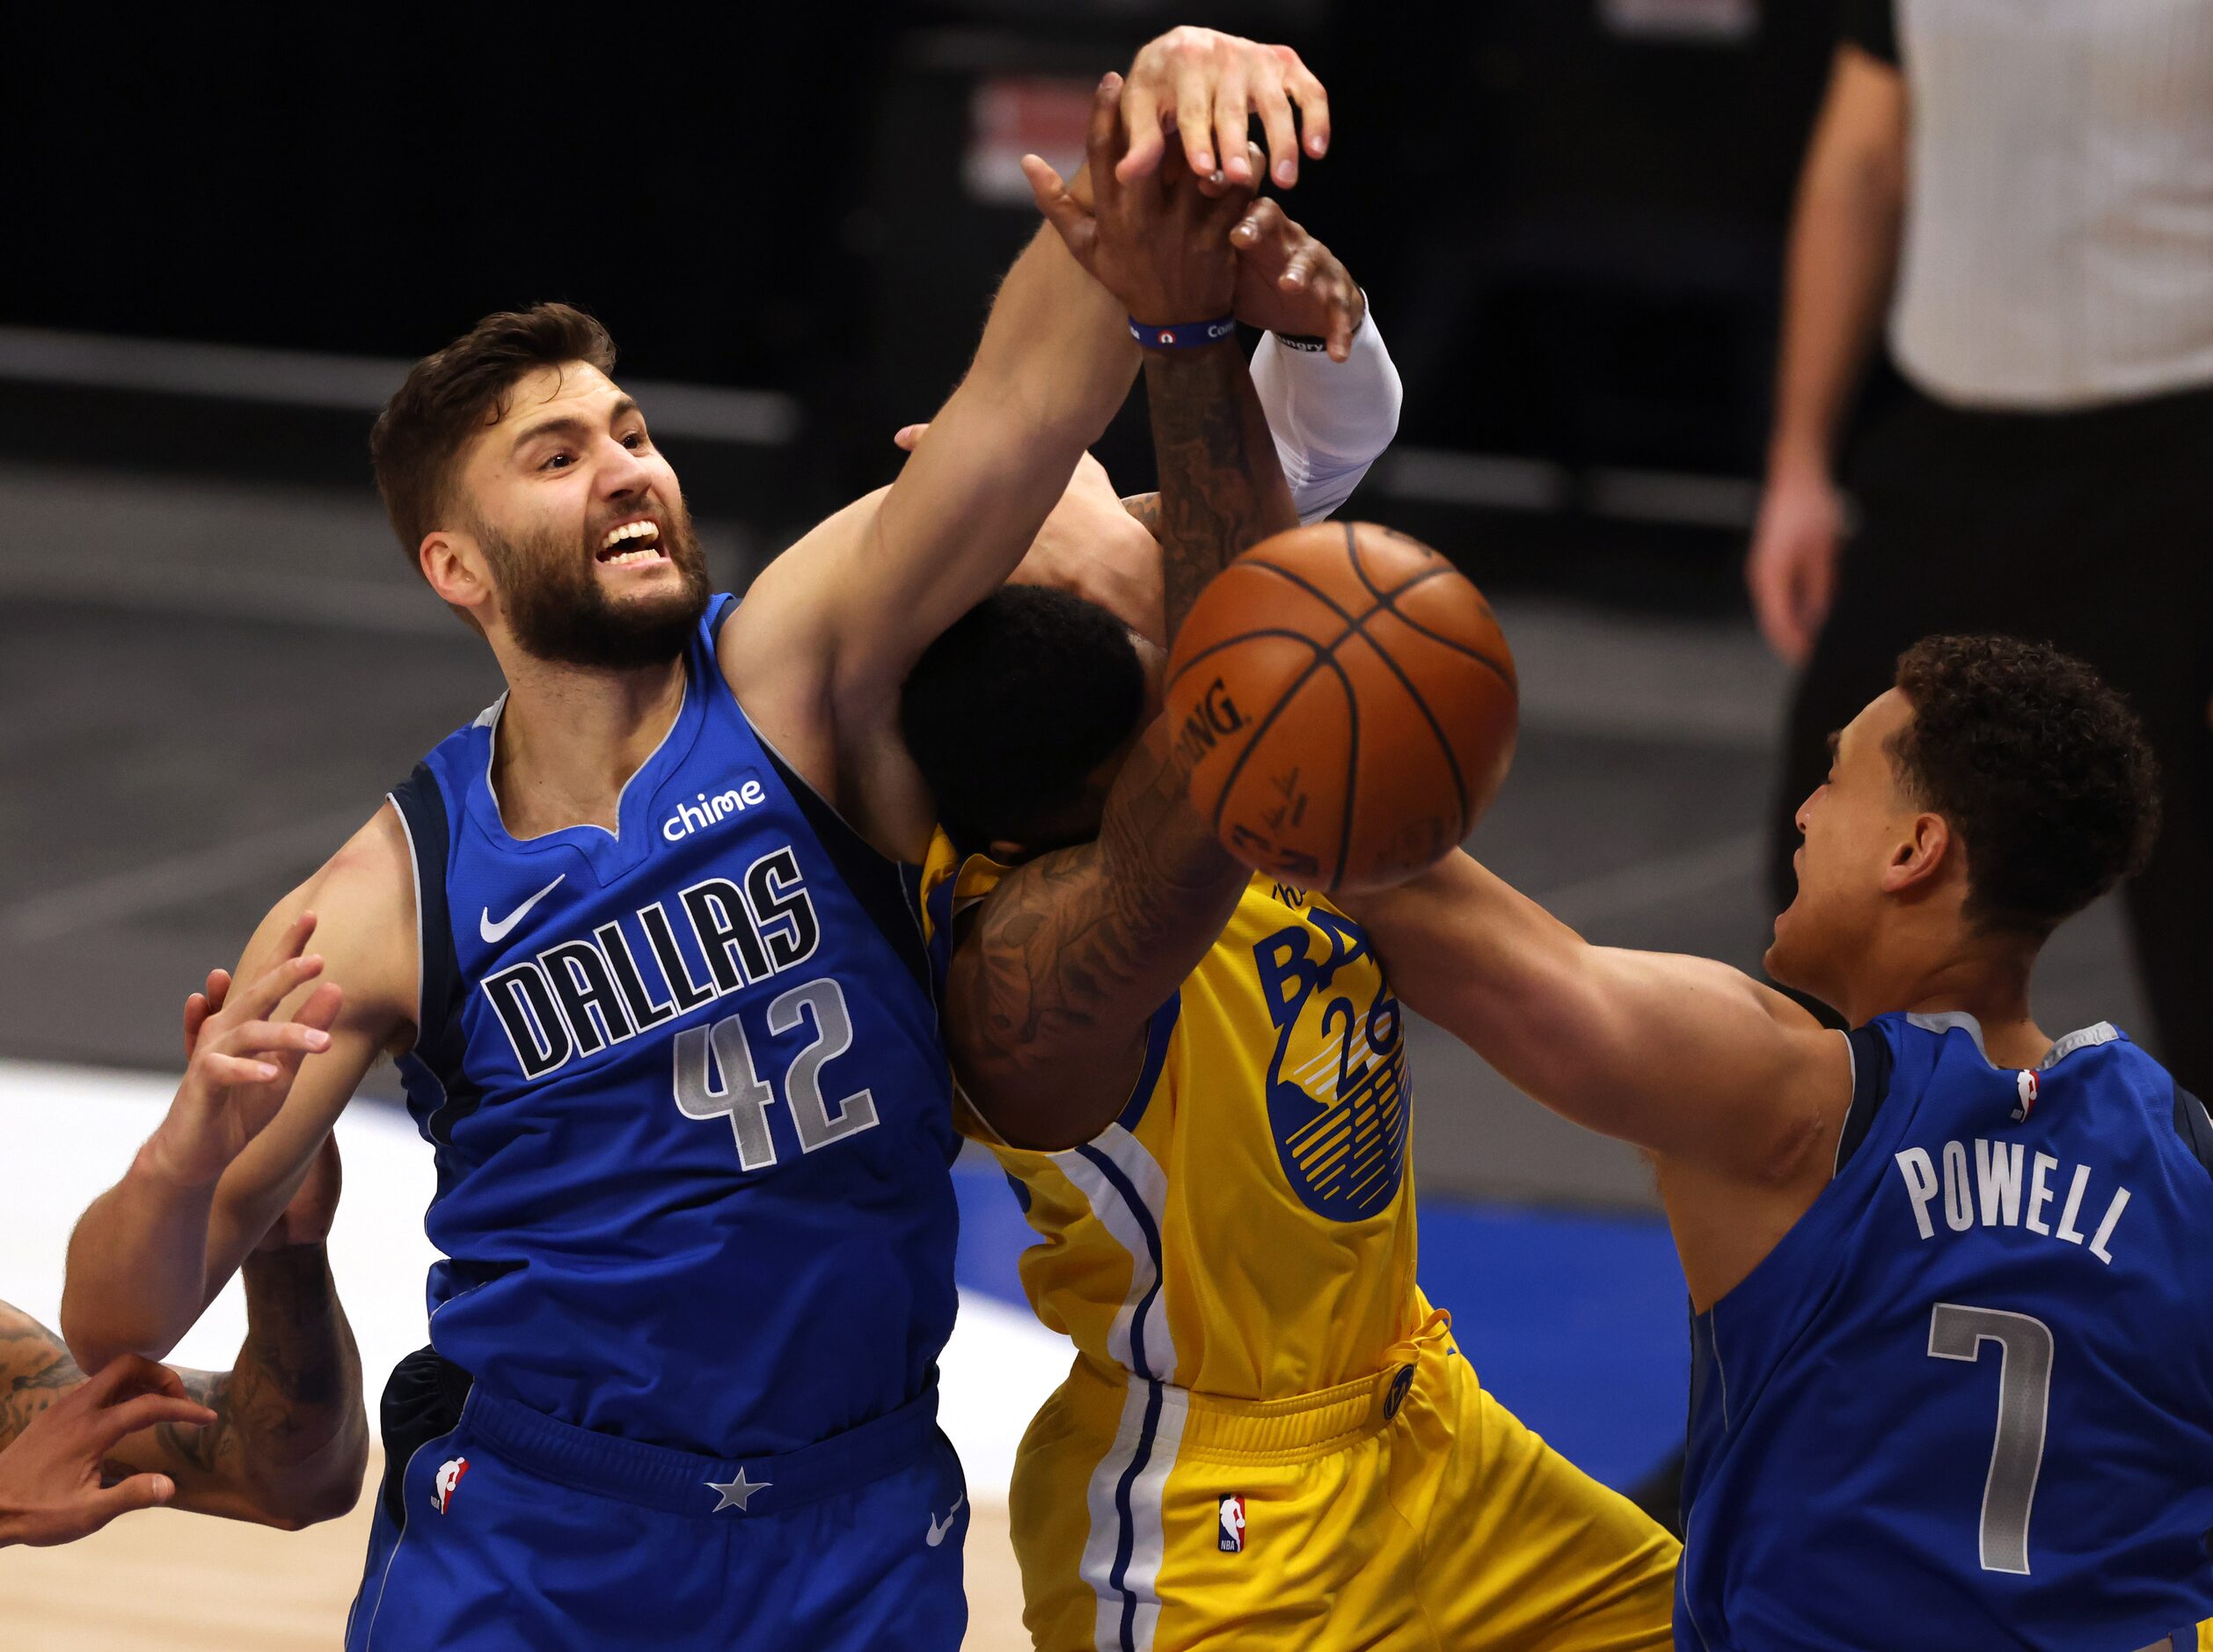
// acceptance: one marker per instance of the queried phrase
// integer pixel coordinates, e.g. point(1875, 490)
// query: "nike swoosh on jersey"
point(499, 932)
point(938, 1533)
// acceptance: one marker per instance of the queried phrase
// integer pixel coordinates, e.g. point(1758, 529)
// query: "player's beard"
point(560, 613)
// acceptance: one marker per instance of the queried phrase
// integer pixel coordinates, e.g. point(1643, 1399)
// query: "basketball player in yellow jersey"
point(1196, 1080)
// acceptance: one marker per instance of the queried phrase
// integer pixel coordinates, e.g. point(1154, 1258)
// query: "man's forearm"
point(1843, 256)
point(1068, 956)
point(136, 1275)
point(1222, 489)
point(1056, 340)
point(295, 1403)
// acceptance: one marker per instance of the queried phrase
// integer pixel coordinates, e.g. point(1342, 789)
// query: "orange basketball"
point(1344, 705)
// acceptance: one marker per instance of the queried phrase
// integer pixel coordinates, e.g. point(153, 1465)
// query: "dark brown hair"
point(451, 395)
point(2042, 770)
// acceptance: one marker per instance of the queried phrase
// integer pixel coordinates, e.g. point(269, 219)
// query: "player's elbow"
point(323, 1488)
point(98, 1327)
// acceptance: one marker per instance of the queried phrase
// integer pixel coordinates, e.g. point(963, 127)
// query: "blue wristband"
point(1187, 335)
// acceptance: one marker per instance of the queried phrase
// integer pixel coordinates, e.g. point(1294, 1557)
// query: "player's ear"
point(454, 569)
point(1925, 853)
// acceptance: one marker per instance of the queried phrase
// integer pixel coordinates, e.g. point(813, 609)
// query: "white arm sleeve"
point(1331, 420)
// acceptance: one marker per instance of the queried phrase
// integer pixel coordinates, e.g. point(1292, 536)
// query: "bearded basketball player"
point(644, 939)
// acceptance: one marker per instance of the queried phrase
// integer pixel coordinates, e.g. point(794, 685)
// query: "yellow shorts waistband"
point(1291, 1429)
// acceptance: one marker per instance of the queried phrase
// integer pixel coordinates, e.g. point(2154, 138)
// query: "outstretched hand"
point(1159, 245)
point(1288, 284)
point(1206, 86)
point(240, 1063)
point(50, 1478)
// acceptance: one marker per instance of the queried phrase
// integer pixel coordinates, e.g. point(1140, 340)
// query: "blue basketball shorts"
point(508, 1529)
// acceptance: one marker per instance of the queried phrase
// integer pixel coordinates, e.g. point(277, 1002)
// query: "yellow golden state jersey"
point(1245, 1228)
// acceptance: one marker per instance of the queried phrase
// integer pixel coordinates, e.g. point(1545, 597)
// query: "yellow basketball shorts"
point(1409, 1510)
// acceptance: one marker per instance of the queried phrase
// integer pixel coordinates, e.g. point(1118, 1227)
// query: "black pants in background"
point(2091, 530)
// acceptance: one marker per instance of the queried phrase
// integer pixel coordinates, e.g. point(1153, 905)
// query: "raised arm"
point(1844, 253)
point(1057, 972)
point(270, 1073)
point(829, 632)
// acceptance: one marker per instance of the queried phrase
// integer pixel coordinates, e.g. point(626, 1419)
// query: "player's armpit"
point(151, 1252)
point(1685, 1057)
point(1057, 972)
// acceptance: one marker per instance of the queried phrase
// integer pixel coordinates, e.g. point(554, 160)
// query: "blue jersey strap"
point(1871, 1064)
point(2194, 1126)
point(440, 1039)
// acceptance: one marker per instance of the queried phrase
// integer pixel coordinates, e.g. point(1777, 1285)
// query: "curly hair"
point(1010, 712)
point(2042, 770)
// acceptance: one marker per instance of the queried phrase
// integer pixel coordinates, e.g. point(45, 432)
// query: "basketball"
point(1344, 704)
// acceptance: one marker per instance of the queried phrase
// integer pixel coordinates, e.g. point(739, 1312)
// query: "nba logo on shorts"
point(449, 1482)
point(1231, 1539)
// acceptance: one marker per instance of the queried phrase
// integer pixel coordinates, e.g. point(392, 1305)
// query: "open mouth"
point(632, 544)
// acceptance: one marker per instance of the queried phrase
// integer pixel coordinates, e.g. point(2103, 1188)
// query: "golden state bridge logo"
point(1337, 1095)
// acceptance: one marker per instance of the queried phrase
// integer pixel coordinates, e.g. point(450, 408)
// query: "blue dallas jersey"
point(688, 1095)
point(1967, 1401)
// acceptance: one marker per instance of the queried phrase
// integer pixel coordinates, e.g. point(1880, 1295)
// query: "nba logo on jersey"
point(449, 1482)
point(1231, 1537)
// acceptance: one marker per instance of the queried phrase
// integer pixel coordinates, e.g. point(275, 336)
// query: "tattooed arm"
point(1058, 970)
point(289, 1438)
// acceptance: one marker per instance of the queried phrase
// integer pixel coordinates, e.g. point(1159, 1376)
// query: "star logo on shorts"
point(736, 1493)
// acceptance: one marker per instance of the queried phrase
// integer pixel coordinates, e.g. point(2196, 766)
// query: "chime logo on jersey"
point(449, 1482)
point(1231, 1537)
point(1337, 1097)
point(586, 993)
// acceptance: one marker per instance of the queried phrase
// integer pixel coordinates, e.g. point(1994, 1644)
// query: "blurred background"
point(229, 236)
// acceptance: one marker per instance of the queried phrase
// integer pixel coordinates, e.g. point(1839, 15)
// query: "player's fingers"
point(130, 1373)
point(1062, 210)
point(272, 986)
point(320, 1013)
point(1313, 100)
point(1141, 119)
point(1195, 116)
point(119, 1422)
point(1282, 132)
point(1341, 319)
point(224, 1072)
point(908, 437)
point(1298, 268)
point(269, 1038)
point(140, 1491)
point(1258, 237)
point(196, 1013)
point(1232, 112)
point(1103, 140)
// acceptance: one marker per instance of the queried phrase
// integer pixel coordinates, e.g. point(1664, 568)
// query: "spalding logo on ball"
point(1344, 705)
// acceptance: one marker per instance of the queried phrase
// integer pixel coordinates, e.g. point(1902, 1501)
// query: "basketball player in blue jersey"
point(1953, 1362)
point(644, 939)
